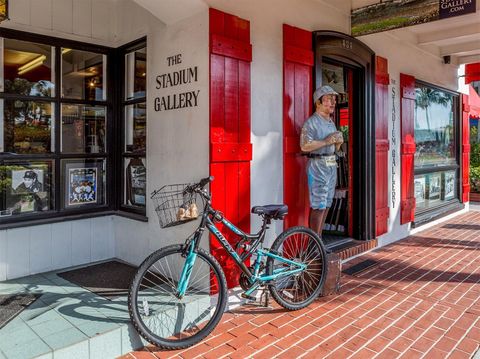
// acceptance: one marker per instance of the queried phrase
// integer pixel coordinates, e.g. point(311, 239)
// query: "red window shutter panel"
point(382, 146)
point(230, 145)
point(297, 107)
point(407, 150)
point(465, 149)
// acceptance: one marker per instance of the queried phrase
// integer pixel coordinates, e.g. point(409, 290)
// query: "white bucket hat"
point(322, 91)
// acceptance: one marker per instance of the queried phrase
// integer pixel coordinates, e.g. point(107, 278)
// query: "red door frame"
point(297, 107)
point(230, 146)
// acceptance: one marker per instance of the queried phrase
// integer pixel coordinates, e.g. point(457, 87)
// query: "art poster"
point(448, 185)
point(434, 187)
point(27, 181)
point(419, 184)
point(333, 76)
point(82, 186)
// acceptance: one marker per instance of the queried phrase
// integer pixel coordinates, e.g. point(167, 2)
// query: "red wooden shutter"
point(407, 150)
point(465, 149)
point(297, 107)
point(382, 145)
point(230, 146)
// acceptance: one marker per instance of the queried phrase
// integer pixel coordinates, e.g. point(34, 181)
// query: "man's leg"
point(317, 220)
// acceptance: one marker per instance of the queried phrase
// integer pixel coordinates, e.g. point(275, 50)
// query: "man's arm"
point(309, 145)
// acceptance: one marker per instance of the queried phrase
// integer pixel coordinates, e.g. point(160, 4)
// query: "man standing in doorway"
point(320, 139)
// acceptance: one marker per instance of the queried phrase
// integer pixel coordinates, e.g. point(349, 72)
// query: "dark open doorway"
point(354, 62)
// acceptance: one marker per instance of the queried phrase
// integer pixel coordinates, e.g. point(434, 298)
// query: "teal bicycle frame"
point(256, 278)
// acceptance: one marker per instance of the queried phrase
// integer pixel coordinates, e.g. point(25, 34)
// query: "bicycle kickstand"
point(265, 294)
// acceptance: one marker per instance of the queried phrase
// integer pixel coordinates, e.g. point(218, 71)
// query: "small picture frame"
point(448, 185)
point(83, 183)
point(419, 184)
point(136, 182)
point(434, 187)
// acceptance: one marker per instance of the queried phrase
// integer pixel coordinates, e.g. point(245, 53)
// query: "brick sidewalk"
point(421, 300)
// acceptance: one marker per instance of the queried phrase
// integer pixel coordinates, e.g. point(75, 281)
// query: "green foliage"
point(475, 178)
point(475, 155)
point(473, 134)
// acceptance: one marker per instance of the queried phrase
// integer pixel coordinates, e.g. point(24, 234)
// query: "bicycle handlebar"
point(197, 187)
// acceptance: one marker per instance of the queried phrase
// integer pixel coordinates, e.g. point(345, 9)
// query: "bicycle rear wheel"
point(166, 320)
point(296, 291)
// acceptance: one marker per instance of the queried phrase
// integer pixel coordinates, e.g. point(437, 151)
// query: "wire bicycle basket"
point(174, 205)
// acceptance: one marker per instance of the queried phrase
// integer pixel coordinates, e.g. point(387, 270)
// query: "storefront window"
point(27, 126)
point(83, 75)
point(135, 74)
point(25, 187)
point(434, 128)
point(27, 68)
point(45, 138)
point(436, 160)
point(135, 129)
point(83, 128)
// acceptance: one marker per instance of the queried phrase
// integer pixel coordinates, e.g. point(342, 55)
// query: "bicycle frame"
point(256, 278)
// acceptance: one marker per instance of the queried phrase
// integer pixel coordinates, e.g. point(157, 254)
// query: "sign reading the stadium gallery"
point(450, 8)
point(179, 77)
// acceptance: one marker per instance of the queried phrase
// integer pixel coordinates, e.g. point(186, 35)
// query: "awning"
point(472, 72)
point(474, 102)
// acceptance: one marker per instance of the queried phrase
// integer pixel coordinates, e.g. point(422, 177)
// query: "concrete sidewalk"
point(422, 300)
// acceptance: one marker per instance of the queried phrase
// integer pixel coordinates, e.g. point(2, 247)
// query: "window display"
point(434, 127)
point(134, 178)
point(83, 75)
point(136, 128)
point(135, 74)
point(27, 127)
point(27, 68)
point(136, 181)
point(83, 182)
point(83, 129)
point(436, 131)
point(25, 187)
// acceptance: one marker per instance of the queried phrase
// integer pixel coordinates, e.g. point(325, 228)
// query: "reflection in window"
point(135, 181)
point(83, 129)
point(25, 188)
point(434, 129)
point(27, 68)
point(135, 74)
point(135, 128)
point(27, 126)
point(83, 75)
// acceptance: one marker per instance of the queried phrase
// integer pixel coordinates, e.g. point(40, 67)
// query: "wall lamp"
point(31, 64)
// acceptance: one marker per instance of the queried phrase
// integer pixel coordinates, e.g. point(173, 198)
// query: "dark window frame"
point(426, 215)
point(122, 104)
point(59, 213)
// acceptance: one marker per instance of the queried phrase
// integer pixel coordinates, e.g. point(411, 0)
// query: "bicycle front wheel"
point(160, 315)
point(297, 290)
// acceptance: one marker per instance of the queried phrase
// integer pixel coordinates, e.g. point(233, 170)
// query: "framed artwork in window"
point(420, 190)
point(83, 183)
point(448, 185)
point(136, 182)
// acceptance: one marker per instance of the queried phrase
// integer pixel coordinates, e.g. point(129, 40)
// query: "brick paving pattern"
point(422, 300)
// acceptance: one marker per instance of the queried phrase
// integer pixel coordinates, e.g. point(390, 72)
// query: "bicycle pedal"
point(249, 297)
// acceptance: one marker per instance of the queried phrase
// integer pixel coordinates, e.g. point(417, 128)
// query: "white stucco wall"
point(177, 139)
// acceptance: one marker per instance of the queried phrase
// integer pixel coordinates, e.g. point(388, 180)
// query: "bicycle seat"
point(274, 211)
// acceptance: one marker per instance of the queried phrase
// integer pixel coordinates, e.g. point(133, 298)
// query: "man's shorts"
point(322, 179)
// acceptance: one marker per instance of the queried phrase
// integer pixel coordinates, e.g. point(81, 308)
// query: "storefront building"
point(102, 102)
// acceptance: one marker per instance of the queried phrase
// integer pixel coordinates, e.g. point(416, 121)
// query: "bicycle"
point(179, 292)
